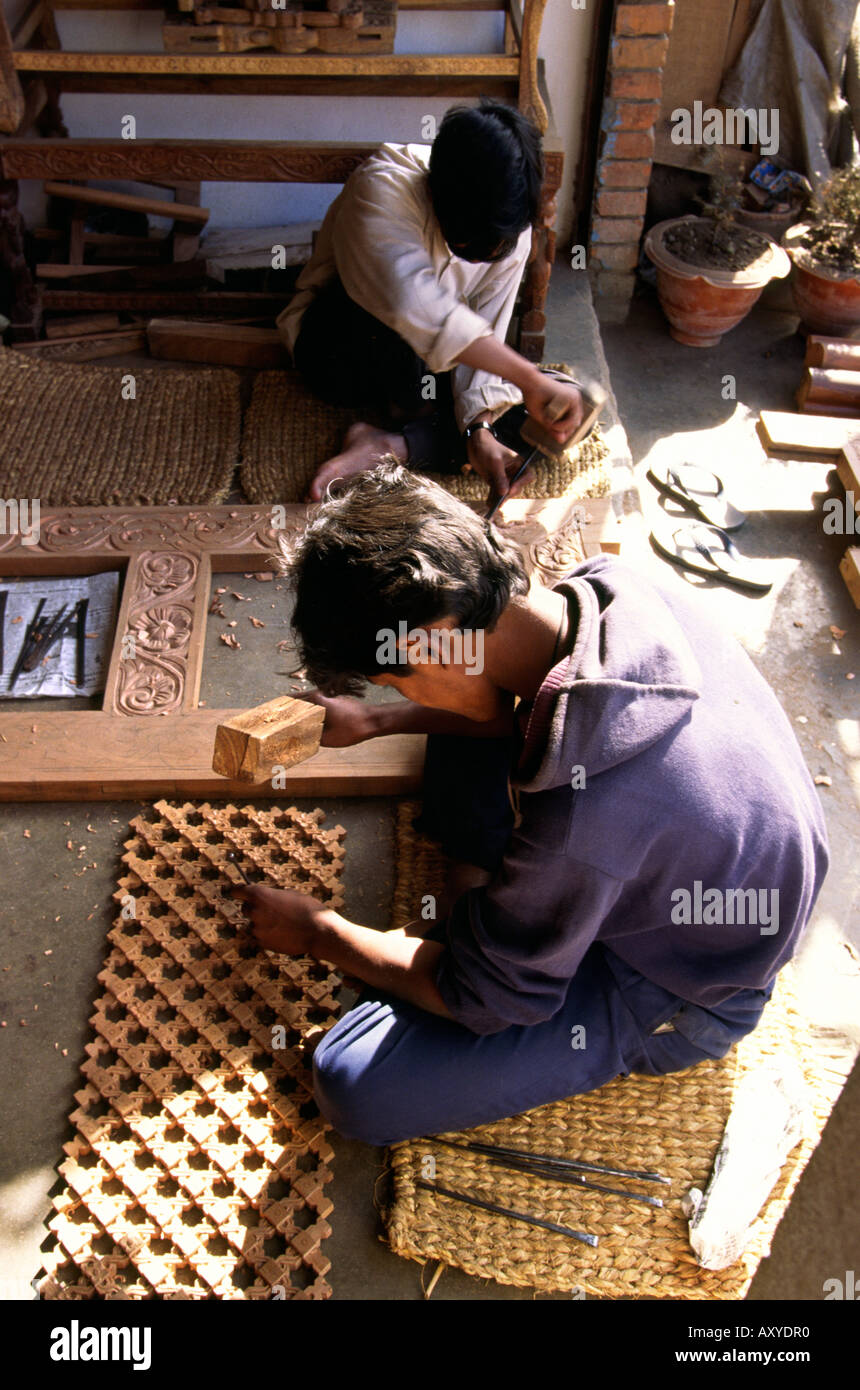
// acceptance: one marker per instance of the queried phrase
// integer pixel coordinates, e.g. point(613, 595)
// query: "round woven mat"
point(70, 439)
point(669, 1124)
point(289, 433)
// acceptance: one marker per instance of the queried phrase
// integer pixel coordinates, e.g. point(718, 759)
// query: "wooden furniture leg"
point(539, 268)
point(20, 292)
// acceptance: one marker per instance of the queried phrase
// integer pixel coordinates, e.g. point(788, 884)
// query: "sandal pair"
point(704, 546)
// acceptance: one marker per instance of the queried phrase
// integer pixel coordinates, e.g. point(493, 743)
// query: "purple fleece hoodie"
point(693, 776)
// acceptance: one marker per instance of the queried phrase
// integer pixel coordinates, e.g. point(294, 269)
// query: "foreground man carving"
point(616, 750)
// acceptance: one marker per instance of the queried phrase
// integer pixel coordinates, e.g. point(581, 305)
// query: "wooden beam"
point(212, 161)
point(215, 302)
point(88, 347)
point(130, 202)
point(30, 21)
point(503, 87)
point(274, 736)
point(376, 65)
point(83, 323)
point(91, 756)
point(224, 344)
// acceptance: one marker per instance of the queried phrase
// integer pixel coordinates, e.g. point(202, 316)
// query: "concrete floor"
point(56, 904)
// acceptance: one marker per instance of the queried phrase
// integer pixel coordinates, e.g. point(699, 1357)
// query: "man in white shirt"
point(403, 308)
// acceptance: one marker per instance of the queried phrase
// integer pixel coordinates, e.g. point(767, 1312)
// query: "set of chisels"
point(42, 634)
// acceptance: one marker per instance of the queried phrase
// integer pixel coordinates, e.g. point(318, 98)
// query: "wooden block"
point(832, 352)
point(104, 198)
point(80, 324)
point(849, 568)
point(848, 468)
point(830, 386)
point(225, 344)
point(283, 731)
point(825, 435)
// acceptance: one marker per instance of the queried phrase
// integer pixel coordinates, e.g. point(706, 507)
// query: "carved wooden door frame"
point(150, 737)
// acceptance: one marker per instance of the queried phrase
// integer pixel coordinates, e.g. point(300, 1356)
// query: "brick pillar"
point(631, 106)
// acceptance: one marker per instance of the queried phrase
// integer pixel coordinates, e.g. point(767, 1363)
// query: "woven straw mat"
point(199, 1159)
point(669, 1124)
point(289, 433)
point(70, 439)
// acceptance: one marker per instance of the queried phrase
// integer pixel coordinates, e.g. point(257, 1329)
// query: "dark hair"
point(486, 171)
point(391, 546)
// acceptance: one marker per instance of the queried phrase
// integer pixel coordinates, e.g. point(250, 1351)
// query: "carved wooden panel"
point(150, 738)
point(154, 161)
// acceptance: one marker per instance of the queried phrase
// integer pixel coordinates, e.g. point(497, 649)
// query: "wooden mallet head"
point(280, 733)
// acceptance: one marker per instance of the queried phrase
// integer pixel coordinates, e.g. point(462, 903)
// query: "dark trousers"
point(389, 1071)
point(349, 358)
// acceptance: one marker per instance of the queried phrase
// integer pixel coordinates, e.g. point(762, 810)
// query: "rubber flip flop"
point(698, 491)
point(708, 551)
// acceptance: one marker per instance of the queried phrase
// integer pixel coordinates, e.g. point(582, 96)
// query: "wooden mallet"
point(280, 733)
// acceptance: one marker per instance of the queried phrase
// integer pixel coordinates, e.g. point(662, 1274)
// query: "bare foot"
point(364, 447)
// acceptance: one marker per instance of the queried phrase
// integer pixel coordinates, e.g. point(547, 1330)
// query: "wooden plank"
point(216, 302)
point(277, 735)
point(503, 87)
point(405, 65)
point(849, 568)
point(843, 353)
point(52, 270)
point(223, 344)
point(27, 25)
point(93, 756)
point(130, 202)
point(87, 348)
point(80, 324)
point(212, 161)
point(796, 434)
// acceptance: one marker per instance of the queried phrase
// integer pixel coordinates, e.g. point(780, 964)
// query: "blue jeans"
point(389, 1071)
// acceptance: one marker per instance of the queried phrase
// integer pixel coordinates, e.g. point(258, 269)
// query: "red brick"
point(627, 204)
point(629, 144)
point(624, 173)
point(632, 115)
point(615, 229)
point(643, 19)
point(639, 86)
point(639, 53)
point(617, 257)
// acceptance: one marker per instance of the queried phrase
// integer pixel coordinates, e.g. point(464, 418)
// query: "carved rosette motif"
point(157, 637)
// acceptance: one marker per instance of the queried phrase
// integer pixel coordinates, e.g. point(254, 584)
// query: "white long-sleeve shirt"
point(382, 238)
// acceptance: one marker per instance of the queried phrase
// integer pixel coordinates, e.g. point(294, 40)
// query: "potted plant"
point(825, 251)
point(710, 269)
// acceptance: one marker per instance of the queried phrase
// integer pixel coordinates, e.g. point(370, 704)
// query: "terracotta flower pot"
point(702, 303)
point(828, 301)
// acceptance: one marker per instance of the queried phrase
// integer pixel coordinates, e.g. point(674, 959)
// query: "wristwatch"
point(473, 429)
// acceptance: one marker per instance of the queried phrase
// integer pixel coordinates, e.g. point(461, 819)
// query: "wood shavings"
point(229, 640)
point(19, 619)
point(26, 835)
point(256, 621)
point(240, 597)
point(823, 781)
point(264, 577)
point(837, 632)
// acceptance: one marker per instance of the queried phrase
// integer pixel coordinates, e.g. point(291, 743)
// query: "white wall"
point(564, 43)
